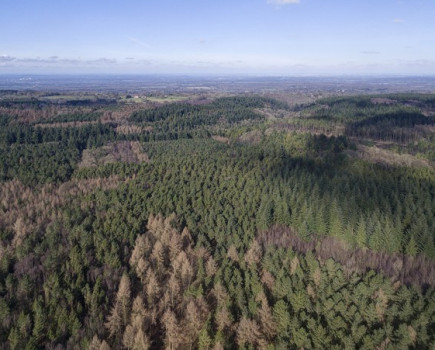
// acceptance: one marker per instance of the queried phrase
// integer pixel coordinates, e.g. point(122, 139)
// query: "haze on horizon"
point(258, 37)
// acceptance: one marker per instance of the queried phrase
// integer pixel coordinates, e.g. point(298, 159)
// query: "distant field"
point(155, 99)
point(68, 97)
point(167, 99)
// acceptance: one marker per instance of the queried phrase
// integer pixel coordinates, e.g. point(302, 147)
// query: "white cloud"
point(55, 61)
point(283, 2)
point(102, 61)
point(398, 20)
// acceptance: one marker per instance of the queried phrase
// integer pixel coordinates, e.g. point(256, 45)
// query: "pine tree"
point(265, 215)
point(123, 298)
point(14, 339)
point(232, 253)
point(218, 346)
point(220, 294)
point(174, 289)
point(320, 224)
point(281, 316)
point(174, 336)
point(95, 343)
point(336, 223)
point(392, 240)
point(128, 337)
point(299, 300)
point(248, 332)
point(211, 267)
point(294, 265)
point(175, 243)
point(411, 247)
point(193, 320)
point(254, 253)
point(141, 269)
point(204, 339)
point(114, 320)
point(319, 335)
point(141, 341)
point(361, 233)
point(104, 346)
point(301, 338)
point(376, 239)
point(158, 255)
point(140, 249)
point(152, 287)
point(267, 323)
point(223, 318)
point(39, 321)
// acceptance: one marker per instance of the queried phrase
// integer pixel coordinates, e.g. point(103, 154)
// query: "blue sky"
point(256, 37)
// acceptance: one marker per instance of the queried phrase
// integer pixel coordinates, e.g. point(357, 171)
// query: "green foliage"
point(32, 164)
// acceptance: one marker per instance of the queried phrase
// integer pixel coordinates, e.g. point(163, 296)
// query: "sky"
point(224, 37)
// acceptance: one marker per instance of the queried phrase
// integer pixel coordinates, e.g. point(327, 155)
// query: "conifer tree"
point(266, 321)
point(95, 343)
point(174, 336)
point(223, 318)
point(248, 332)
point(152, 287)
point(254, 253)
point(411, 247)
point(361, 234)
point(281, 316)
point(104, 346)
point(141, 341)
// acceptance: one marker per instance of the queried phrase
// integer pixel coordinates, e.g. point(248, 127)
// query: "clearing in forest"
point(123, 151)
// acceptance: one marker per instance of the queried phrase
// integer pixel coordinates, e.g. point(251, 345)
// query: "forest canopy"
point(240, 222)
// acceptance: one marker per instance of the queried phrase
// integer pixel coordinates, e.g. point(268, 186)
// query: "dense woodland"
point(236, 222)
